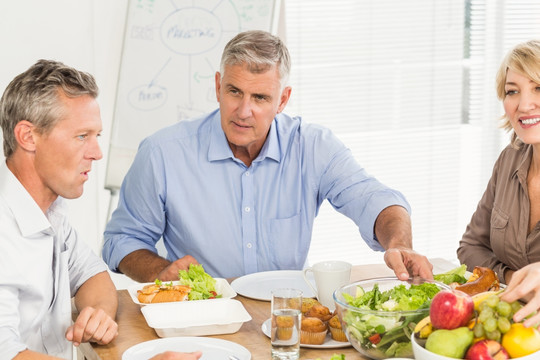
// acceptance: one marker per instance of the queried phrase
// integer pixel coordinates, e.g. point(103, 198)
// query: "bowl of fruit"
point(379, 315)
point(476, 327)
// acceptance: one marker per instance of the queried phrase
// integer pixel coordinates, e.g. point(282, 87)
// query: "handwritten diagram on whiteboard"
point(172, 49)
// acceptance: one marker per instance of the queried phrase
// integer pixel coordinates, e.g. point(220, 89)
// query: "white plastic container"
point(196, 318)
point(223, 288)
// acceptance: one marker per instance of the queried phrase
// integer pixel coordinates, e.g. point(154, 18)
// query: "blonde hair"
point(524, 59)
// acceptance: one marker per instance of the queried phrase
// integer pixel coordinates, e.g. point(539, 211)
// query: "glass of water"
point(285, 333)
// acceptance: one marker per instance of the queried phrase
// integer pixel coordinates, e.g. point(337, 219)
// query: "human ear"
point(24, 135)
point(218, 84)
point(284, 99)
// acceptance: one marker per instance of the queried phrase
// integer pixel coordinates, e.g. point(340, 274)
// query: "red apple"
point(451, 309)
point(487, 350)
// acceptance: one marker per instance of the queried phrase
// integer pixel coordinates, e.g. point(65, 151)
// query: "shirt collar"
point(219, 148)
point(26, 212)
point(522, 168)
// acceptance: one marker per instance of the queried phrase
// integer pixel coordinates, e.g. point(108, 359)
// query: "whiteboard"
point(171, 52)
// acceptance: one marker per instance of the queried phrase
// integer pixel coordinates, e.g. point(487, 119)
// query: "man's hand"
point(171, 271)
point(407, 262)
point(393, 230)
point(93, 325)
point(146, 266)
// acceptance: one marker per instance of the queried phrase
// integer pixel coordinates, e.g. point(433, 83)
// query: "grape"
point(490, 325)
point(478, 330)
point(492, 300)
point(494, 335)
point(503, 324)
point(515, 307)
point(504, 309)
point(485, 314)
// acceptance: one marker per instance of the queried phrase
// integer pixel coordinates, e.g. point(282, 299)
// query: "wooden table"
point(132, 327)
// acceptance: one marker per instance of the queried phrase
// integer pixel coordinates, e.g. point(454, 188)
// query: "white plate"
point(223, 288)
point(212, 349)
point(196, 318)
point(329, 343)
point(259, 285)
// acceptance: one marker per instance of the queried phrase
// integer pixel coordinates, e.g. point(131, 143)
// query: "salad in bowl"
point(379, 315)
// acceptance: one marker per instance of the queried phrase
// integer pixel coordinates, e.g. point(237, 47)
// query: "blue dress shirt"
point(186, 186)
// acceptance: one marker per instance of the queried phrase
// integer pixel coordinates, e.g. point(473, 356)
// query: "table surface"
point(132, 327)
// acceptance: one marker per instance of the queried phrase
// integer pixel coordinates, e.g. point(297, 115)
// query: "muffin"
point(319, 311)
point(313, 331)
point(307, 303)
point(284, 327)
point(335, 329)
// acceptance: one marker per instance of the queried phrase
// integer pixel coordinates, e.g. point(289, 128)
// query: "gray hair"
point(259, 50)
point(524, 59)
point(34, 96)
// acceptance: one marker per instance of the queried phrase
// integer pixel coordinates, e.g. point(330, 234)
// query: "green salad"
point(203, 286)
point(387, 335)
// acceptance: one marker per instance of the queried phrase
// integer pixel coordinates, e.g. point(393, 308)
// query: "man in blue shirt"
point(238, 189)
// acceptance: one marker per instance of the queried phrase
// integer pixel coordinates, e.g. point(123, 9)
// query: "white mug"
point(329, 276)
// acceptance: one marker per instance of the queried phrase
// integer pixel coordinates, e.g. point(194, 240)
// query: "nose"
point(94, 151)
point(244, 108)
point(528, 101)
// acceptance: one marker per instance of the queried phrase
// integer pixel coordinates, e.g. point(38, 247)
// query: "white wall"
point(85, 34)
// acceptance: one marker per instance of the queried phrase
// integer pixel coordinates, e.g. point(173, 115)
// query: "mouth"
point(240, 125)
point(530, 121)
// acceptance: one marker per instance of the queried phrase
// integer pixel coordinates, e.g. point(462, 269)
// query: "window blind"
point(408, 86)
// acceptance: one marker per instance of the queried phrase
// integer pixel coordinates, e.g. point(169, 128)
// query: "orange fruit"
point(521, 341)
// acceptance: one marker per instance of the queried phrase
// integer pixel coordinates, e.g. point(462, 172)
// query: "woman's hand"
point(525, 284)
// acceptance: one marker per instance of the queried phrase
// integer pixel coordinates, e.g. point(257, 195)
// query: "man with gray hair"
point(51, 123)
point(238, 189)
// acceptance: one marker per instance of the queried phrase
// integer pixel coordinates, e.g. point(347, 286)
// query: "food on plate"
point(319, 311)
point(482, 279)
point(335, 357)
point(335, 329)
point(284, 327)
point(307, 303)
point(159, 292)
point(312, 331)
point(203, 286)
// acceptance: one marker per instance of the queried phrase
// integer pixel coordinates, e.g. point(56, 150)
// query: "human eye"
point(260, 98)
point(82, 136)
point(510, 92)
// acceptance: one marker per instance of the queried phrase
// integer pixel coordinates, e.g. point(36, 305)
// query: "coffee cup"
point(329, 276)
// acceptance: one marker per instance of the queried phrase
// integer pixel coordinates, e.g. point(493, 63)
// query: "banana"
point(478, 298)
point(423, 329)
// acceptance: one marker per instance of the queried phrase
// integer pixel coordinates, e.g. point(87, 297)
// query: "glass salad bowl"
point(379, 315)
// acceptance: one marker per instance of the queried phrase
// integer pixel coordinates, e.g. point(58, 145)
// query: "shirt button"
point(247, 209)
point(247, 173)
point(248, 245)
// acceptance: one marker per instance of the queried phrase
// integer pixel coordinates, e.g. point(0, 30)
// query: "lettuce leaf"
point(203, 286)
point(454, 275)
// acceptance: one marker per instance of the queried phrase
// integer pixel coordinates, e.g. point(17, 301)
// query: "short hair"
point(259, 50)
point(524, 59)
point(34, 96)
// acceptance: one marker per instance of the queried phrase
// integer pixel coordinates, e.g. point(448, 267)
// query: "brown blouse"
point(497, 235)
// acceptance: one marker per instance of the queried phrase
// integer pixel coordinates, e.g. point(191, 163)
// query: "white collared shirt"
point(42, 265)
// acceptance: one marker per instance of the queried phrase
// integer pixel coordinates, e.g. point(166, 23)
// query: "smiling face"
point(63, 156)
point(248, 104)
point(522, 106)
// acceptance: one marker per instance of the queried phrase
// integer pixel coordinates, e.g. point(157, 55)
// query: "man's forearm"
point(98, 292)
point(393, 228)
point(143, 265)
